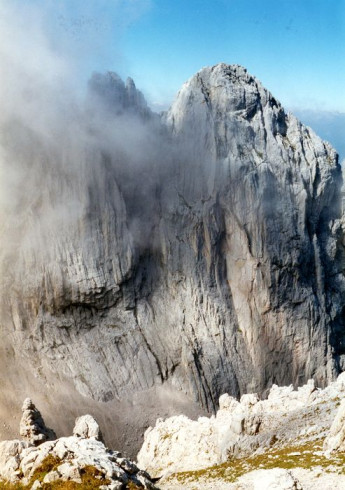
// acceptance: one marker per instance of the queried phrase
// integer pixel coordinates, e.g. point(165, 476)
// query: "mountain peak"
point(204, 256)
point(116, 97)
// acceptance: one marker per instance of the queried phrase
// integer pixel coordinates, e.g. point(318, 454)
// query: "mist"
point(88, 171)
point(71, 154)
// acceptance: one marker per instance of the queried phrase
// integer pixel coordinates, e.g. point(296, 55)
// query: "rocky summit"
point(150, 264)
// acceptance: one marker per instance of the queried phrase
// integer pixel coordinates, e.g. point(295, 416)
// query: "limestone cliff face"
point(266, 192)
point(201, 252)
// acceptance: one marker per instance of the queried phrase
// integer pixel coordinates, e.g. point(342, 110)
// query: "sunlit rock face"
point(263, 196)
point(200, 252)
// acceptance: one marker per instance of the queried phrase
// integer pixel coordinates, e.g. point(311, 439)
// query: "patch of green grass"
point(10, 486)
point(90, 476)
point(132, 486)
point(299, 456)
point(50, 463)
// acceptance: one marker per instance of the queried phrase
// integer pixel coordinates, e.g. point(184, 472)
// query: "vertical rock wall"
point(201, 253)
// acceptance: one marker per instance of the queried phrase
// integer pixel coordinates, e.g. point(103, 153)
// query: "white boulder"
point(10, 454)
point(86, 427)
point(335, 441)
point(274, 479)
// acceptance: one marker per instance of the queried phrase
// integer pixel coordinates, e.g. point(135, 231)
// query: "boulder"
point(178, 444)
point(249, 400)
point(10, 455)
point(228, 403)
point(71, 457)
point(274, 479)
point(87, 428)
point(335, 441)
point(340, 382)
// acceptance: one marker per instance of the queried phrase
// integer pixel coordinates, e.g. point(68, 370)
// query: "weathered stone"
point(112, 486)
point(87, 428)
point(275, 479)
point(10, 454)
point(68, 471)
point(127, 465)
point(37, 484)
point(178, 444)
point(335, 441)
point(20, 461)
point(249, 400)
point(252, 425)
point(237, 424)
point(51, 477)
point(75, 454)
point(32, 427)
point(227, 402)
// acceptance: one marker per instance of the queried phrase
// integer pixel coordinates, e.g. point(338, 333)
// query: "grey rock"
point(32, 427)
point(116, 97)
point(286, 419)
point(20, 461)
point(145, 482)
point(87, 428)
point(237, 425)
point(10, 454)
point(127, 465)
point(335, 440)
point(75, 454)
point(218, 269)
point(112, 486)
point(68, 471)
point(274, 479)
point(252, 425)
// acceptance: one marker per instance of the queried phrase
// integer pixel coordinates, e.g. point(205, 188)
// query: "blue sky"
point(295, 47)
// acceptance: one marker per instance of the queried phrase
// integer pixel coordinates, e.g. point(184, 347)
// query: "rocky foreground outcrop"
point(82, 458)
point(168, 259)
point(293, 440)
point(335, 441)
point(242, 428)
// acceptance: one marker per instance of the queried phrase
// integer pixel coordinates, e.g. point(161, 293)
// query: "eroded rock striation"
point(201, 252)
